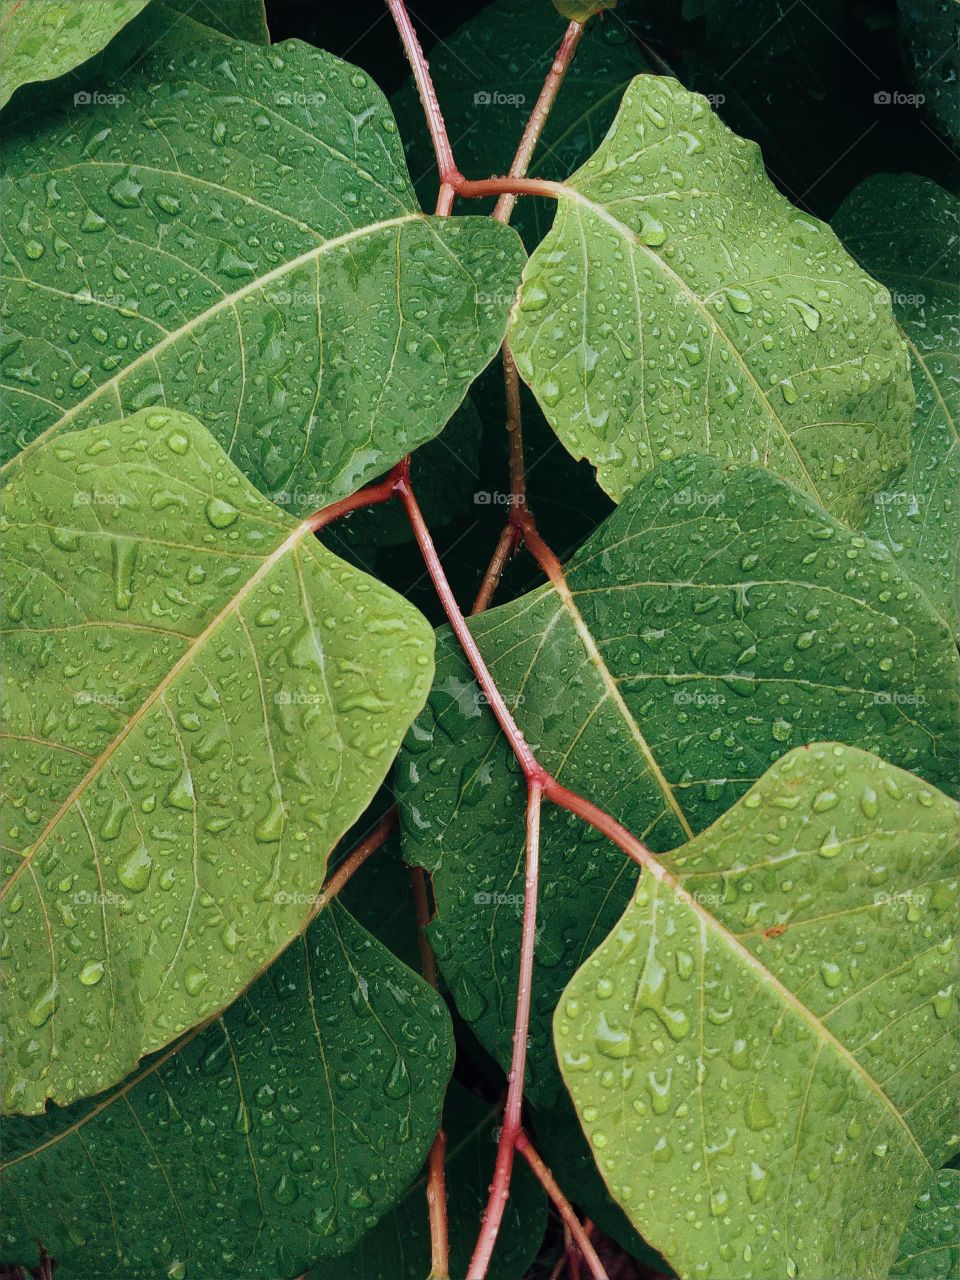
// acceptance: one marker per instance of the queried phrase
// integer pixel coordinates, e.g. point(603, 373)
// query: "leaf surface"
point(239, 19)
point(398, 1247)
point(239, 237)
point(715, 620)
point(930, 1248)
point(930, 32)
point(200, 700)
point(43, 39)
point(279, 1134)
point(681, 305)
point(770, 1029)
point(906, 231)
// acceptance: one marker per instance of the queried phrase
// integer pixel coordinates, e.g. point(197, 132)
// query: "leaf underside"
point(278, 279)
point(715, 620)
point(279, 1134)
point(770, 1029)
point(200, 700)
point(906, 230)
point(681, 305)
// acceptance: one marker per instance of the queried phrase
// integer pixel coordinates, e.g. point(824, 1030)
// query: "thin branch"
point(428, 97)
point(436, 1167)
point(510, 1130)
point(480, 188)
point(511, 386)
point(509, 541)
point(373, 494)
point(352, 864)
point(562, 1206)
point(538, 116)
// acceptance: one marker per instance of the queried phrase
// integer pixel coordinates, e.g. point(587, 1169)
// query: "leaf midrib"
point(567, 190)
point(223, 303)
point(196, 646)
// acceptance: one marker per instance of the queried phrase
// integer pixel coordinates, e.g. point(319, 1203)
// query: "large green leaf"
point(398, 1248)
point(714, 621)
point(277, 278)
point(240, 19)
point(930, 1248)
point(770, 1029)
point(906, 231)
point(42, 39)
point(930, 32)
point(680, 304)
point(277, 1135)
point(200, 699)
point(488, 76)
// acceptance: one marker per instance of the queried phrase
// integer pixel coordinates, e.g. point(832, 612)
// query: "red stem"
point(538, 116)
point(352, 864)
point(562, 1206)
point(480, 188)
point(511, 1128)
point(428, 97)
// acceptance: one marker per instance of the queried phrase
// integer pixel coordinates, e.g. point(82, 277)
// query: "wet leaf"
point(930, 1248)
point(906, 231)
point(681, 305)
point(279, 1134)
point(930, 34)
point(716, 620)
point(200, 700)
point(768, 1029)
point(278, 279)
point(43, 39)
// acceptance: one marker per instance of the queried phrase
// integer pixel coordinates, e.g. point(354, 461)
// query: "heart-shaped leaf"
point(930, 1248)
point(43, 39)
point(279, 1134)
point(278, 280)
point(906, 230)
point(714, 621)
point(200, 700)
point(770, 1029)
point(681, 305)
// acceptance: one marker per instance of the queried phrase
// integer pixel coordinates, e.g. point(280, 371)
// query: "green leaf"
point(767, 1030)
point(277, 1135)
point(398, 1248)
point(239, 19)
point(930, 1248)
point(680, 304)
point(200, 700)
point(488, 76)
point(43, 39)
point(278, 280)
point(582, 10)
point(905, 230)
point(930, 33)
point(714, 621)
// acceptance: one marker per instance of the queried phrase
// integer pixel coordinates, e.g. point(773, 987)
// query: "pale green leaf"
point(906, 231)
point(398, 1247)
point(279, 1134)
point(930, 1248)
point(681, 305)
point(42, 39)
point(714, 621)
point(770, 1029)
point(200, 700)
point(238, 237)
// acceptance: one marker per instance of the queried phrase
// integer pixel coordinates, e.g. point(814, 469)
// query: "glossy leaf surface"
point(930, 1248)
point(681, 305)
point(200, 700)
point(770, 1029)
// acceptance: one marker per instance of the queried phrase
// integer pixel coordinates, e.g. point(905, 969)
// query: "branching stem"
point(562, 1206)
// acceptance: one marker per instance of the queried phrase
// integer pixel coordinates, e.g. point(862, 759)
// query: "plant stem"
point(431, 107)
point(480, 188)
point(562, 1205)
point(538, 116)
point(373, 494)
point(511, 1127)
point(354, 861)
point(507, 544)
